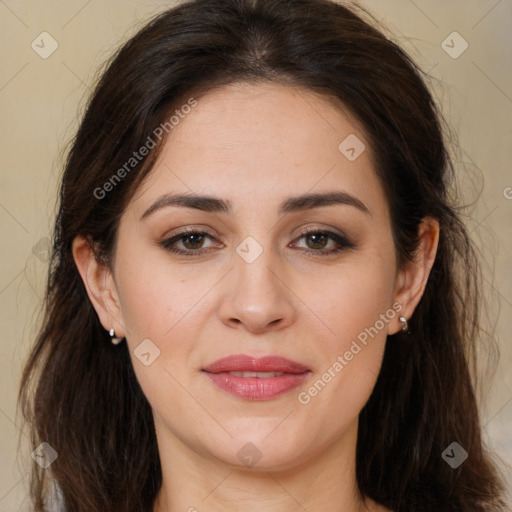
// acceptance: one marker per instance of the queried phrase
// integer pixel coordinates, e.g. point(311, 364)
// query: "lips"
point(245, 363)
point(256, 379)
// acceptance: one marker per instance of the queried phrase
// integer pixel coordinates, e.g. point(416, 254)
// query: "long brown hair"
point(79, 392)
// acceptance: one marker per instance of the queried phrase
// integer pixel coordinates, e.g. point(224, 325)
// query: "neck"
point(195, 482)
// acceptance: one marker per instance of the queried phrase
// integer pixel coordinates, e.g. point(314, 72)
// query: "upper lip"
point(246, 363)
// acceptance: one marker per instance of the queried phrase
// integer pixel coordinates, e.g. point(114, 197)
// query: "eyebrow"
point(292, 204)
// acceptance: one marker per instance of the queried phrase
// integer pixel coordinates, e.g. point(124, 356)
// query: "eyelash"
point(343, 242)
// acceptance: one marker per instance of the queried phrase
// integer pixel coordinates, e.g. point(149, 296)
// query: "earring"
point(114, 339)
point(405, 325)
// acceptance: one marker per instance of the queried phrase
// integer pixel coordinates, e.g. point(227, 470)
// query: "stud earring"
point(405, 325)
point(113, 338)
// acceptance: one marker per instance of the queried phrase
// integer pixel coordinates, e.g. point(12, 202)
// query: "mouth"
point(253, 378)
point(259, 375)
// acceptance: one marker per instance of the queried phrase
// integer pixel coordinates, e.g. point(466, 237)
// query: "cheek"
point(354, 300)
point(154, 296)
point(160, 304)
point(358, 311)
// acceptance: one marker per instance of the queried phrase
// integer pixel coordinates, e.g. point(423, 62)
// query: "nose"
point(256, 296)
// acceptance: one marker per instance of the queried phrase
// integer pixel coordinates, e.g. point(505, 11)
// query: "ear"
point(413, 276)
point(100, 286)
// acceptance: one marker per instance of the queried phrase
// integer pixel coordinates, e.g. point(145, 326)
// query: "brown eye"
point(317, 241)
point(191, 240)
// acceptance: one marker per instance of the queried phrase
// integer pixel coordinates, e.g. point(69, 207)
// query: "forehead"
point(260, 142)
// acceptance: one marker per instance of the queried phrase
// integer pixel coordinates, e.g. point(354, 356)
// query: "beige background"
point(41, 100)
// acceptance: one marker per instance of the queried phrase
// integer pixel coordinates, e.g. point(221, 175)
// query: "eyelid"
point(303, 231)
point(317, 229)
point(206, 231)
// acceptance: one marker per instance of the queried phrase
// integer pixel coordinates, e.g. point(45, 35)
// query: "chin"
point(259, 451)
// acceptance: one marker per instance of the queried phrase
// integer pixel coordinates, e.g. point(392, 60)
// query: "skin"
point(255, 145)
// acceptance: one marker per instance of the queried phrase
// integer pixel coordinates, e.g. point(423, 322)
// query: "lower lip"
point(254, 388)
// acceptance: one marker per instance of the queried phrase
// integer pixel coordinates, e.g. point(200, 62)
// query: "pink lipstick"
point(253, 378)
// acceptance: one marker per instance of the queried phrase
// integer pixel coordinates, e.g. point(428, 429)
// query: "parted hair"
point(79, 392)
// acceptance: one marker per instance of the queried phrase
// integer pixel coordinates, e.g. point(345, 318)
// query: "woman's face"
point(253, 282)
